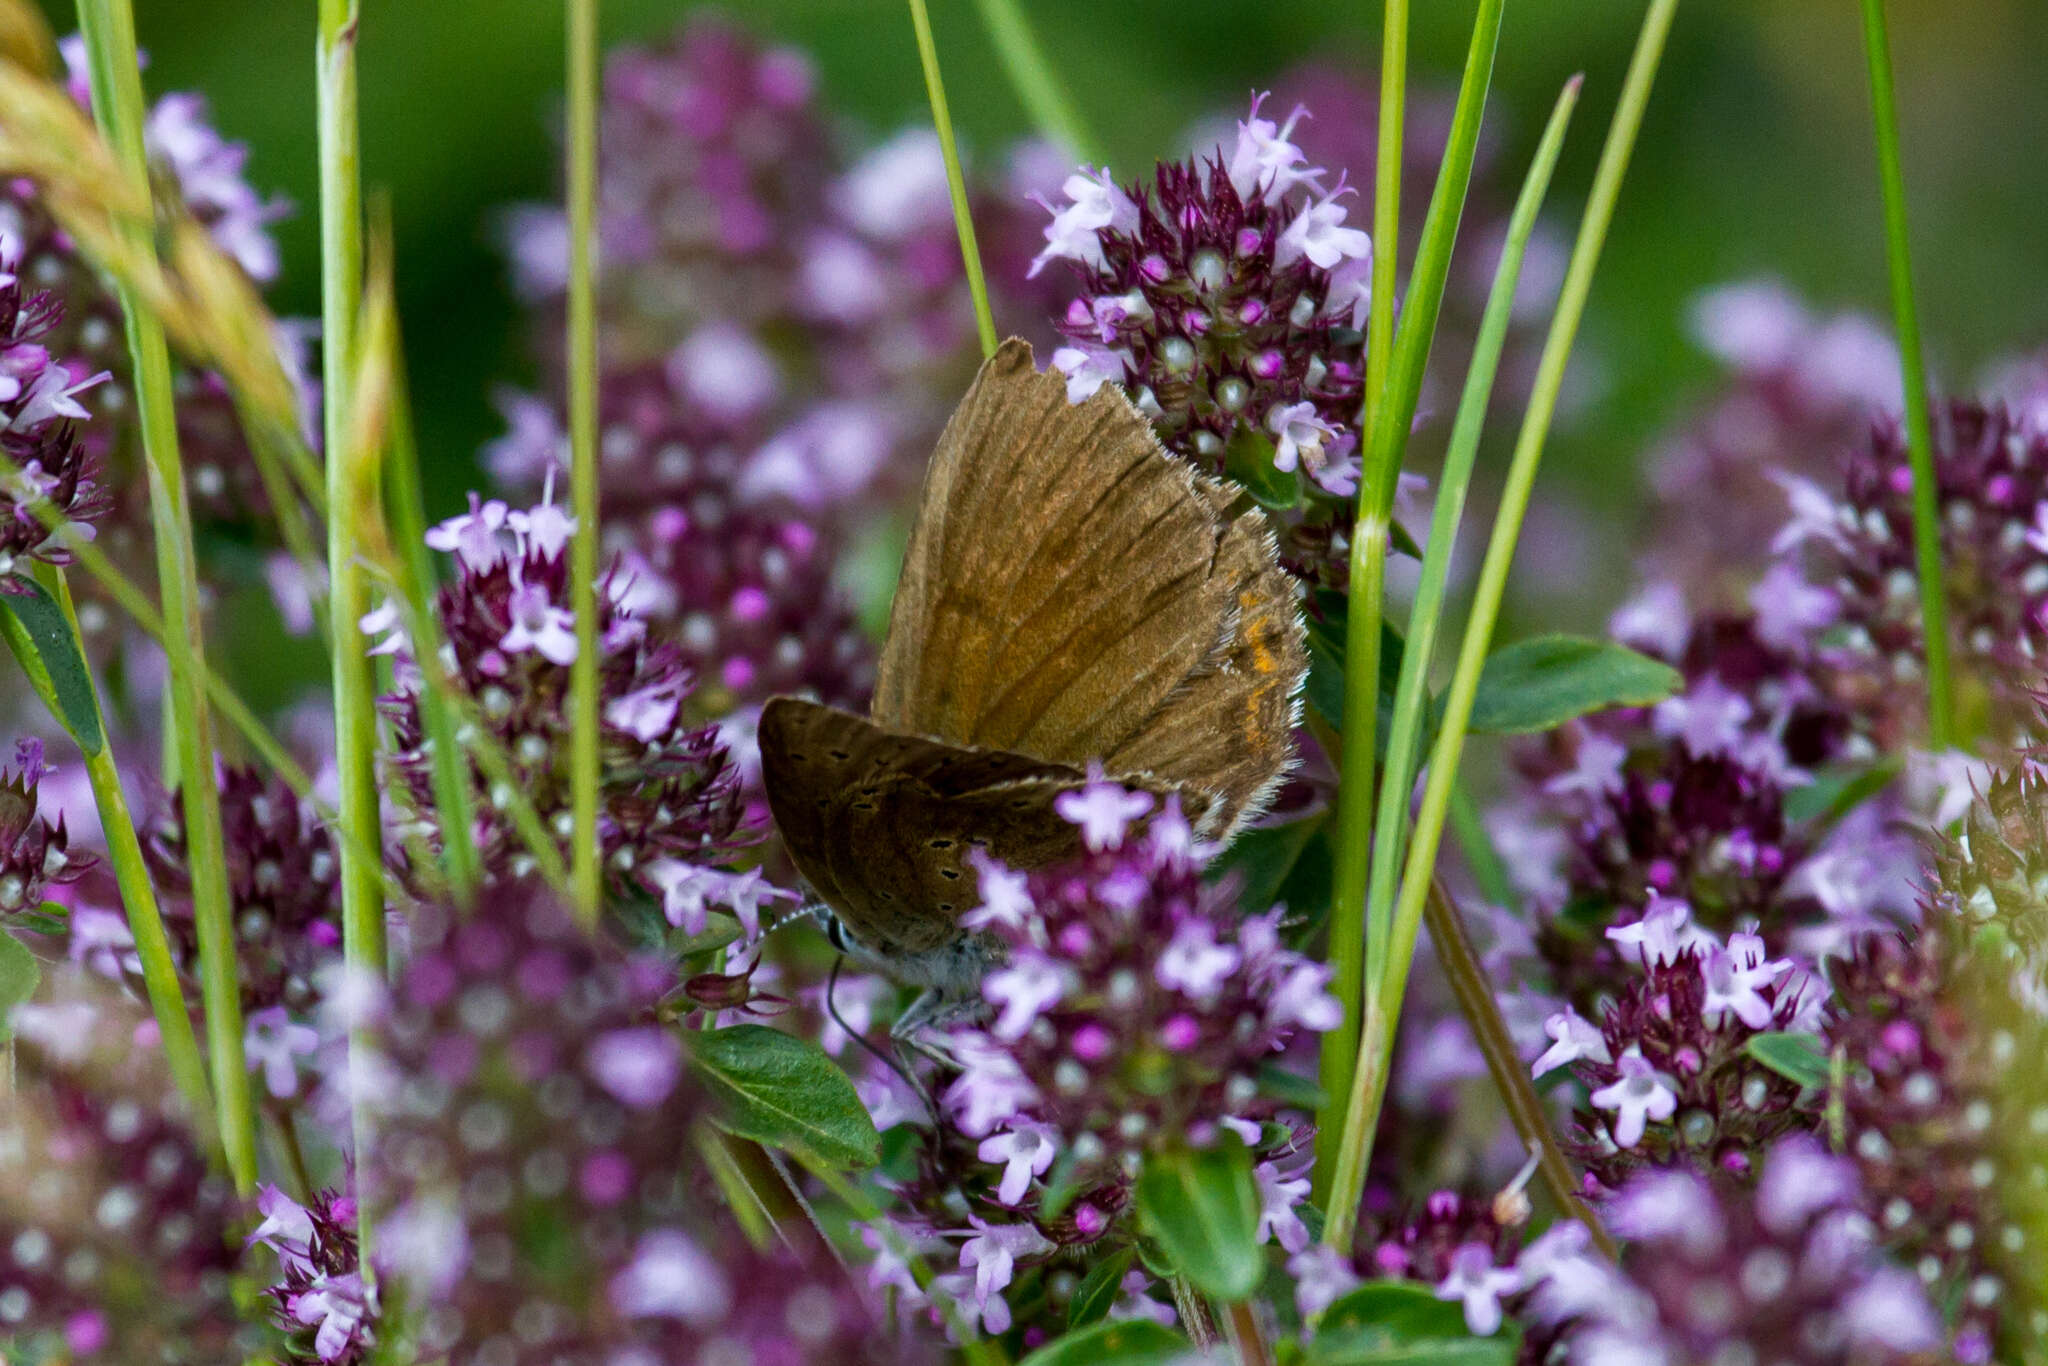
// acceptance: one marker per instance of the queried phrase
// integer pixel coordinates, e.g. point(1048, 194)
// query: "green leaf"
point(1202, 1206)
point(1834, 793)
point(40, 636)
point(784, 1092)
point(1795, 1056)
point(1248, 462)
point(1326, 655)
point(1265, 857)
point(1385, 1323)
point(20, 974)
point(1277, 1083)
point(1098, 1289)
point(1535, 684)
point(1138, 1342)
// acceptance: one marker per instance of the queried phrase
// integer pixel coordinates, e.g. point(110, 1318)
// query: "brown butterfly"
point(1071, 595)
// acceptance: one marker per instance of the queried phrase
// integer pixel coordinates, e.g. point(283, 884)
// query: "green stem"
point(109, 28)
point(1461, 968)
point(1411, 697)
point(585, 863)
point(1488, 870)
point(454, 801)
point(956, 183)
point(1368, 1090)
point(354, 672)
point(1884, 109)
point(1347, 947)
point(138, 896)
point(1247, 1338)
point(1044, 98)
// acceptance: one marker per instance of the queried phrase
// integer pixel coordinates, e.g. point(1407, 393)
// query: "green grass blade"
point(1044, 98)
point(1368, 1089)
point(956, 183)
point(1358, 935)
point(585, 856)
point(1411, 695)
point(1884, 109)
point(109, 29)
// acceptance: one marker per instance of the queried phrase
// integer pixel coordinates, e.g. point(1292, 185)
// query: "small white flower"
point(1095, 202)
point(1572, 1037)
point(1479, 1285)
point(1023, 988)
point(1264, 164)
point(537, 624)
point(1299, 435)
point(1319, 234)
point(1104, 810)
point(1024, 1151)
point(1642, 1094)
point(1088, 368)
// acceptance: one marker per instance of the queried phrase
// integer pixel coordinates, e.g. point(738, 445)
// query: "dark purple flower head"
point(321, 1303)
point(284, 883)
point(34, 854)
point(1227, 297)
point(1666, 1068)
point(48, 472)
point(534, 1193)
point(1134, 1006)
point(670, 793)
point(116, 1236)
point(1943, 1114)
point(1719, 1270)
point(1991, 473)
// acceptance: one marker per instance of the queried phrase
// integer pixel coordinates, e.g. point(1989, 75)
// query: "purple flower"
point(670, 1277)
point(1023, 1151)
point(1572, 1037)
point(1031, 982)
point(1104, 810)
point(638, 1066)
point(274, 1046)
point(1478, 1284)
point(1279, 1195)
point(1640, 1094)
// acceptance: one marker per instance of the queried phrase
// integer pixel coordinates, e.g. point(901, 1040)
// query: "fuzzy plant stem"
point(586, 869)
point(956, 183)
point(131, 879)
point(109, 28)
point(1369, 839)
point(1038, 89)
point(1884, 110)
point(355, 677)
point(1369, 1084)
point(1338, 1056)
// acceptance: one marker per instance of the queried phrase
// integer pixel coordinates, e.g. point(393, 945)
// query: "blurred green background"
point(1755, 157)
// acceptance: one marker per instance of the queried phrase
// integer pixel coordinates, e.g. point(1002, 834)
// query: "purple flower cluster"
point(34, 854)
point(1228, 297)
point(1134, 1006)
point(116, 1236)
point(323, 1305)
point(669, 800)
point(1667, 1069)
point(1943, 1118)
point(1719, 1271)
point(48, 471)
point(533, 1204)
point(1856, 553)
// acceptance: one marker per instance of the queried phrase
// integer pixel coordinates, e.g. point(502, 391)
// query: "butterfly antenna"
point(832, 1009)
point(811, 909)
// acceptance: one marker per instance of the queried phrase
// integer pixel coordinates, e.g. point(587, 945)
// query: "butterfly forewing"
point(1069, 587)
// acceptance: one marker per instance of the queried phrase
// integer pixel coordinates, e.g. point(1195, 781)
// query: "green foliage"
point(41, 639)
point(1535, 684)
point(1098, 1289)
point(1795, 1056)
point(20, 975)
point(1138, 1342)
point(1387, 1323)
point(1201, 1205)
point(784, 1092)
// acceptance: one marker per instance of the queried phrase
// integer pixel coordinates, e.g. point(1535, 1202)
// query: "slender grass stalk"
point(354, 672)
point(755, 1219)
point(405, 505)
point(963, 217)
point(1040, 91)
point(585, 859)
point(1388, 160)
point(1488, 870)
point(1368, 1089)
point(1357, 926)
point(1247, 1338)
point(131, 878)
point(109, 28)
point(1468, 980)
point(1884, 110)
point(1411, 700)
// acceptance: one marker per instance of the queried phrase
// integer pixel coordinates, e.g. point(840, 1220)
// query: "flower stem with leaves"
point(109, 29)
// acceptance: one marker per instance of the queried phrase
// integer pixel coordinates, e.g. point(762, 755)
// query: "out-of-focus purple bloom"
point(35, 854)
